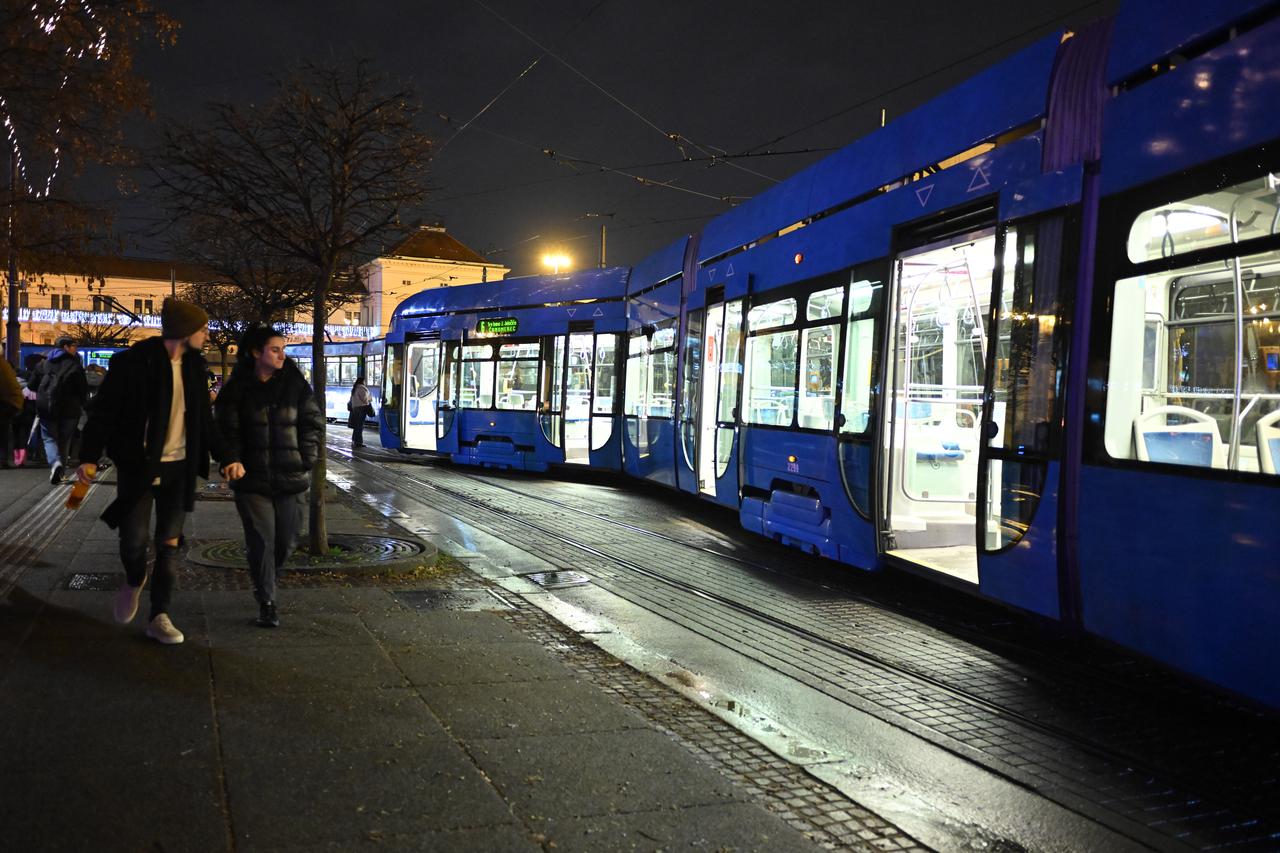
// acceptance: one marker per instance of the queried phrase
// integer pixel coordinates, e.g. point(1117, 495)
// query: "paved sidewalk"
point(362, 722)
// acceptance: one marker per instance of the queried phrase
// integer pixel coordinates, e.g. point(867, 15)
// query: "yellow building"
point(118, 299)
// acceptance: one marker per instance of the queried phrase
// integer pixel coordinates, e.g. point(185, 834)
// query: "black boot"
point(267, 616)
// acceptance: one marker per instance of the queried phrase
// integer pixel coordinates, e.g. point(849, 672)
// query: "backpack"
point(52, 375)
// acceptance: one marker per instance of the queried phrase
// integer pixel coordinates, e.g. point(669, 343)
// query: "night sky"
point(729, 76)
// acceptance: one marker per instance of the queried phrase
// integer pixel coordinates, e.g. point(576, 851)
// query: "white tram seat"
point(1196, 442)
point(1269, 443)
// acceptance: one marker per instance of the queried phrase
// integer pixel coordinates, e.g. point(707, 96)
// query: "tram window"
point(553, 375)
point(825, 304)
point(662, 372)
point(579, 376)
point(606, 387)
point(1205, 407)
point(331, 371)
point(770, 378)
point(1205, 220)
point(391, 378)
point(518, 376)
point(818, 377)
point(778, 313)
point(476, 384)
point(634, 402)
point(860, 355)
point(348, 367)
point(730, 366)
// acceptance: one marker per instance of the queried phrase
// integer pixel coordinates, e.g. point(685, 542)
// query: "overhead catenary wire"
point(862, 102)
point(675, 138)
point(517, 79)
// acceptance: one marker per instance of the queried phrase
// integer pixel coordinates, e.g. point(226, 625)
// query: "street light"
point(557, 261)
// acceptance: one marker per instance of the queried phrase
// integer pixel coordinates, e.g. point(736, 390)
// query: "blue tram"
point(517, 374)
point(1024, 340)
point(343, 362)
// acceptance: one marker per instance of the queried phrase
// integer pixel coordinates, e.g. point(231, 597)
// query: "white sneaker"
point(127, 602)
point(162, 631)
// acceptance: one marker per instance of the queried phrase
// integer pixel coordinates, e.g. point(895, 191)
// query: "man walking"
point(61, 392)
point(152, 417)
point(271, 422)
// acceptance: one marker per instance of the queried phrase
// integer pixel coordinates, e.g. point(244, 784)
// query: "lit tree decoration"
point(96, 48)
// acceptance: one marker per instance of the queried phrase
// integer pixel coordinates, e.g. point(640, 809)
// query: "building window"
point(23, 298)
point(99, 304)
point(143, 306)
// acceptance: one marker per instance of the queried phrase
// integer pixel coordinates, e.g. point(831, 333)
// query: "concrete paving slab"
point(733, 826)
point(509, 839)
point(174, 807)
point(88, 615)
point(293, 799)
point(527, 708)
point(596, 774)
point(266, 670)
point(477, 663)
point(234, 627)
point(411, 628)
point(327, 722)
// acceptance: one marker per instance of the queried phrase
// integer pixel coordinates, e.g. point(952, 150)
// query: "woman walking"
point(361, 406)
point(267, 413)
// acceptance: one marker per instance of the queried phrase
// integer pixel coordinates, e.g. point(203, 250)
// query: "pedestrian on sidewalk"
point(152, 417)
point(360, 406)
point(11, 402)
point(270, 419)
point(61, 392)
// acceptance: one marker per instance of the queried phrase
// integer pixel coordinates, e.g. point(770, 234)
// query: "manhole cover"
point(95, 581)
point(216, 491)
point(347, 553)
point(558, 580)
point(452, 599)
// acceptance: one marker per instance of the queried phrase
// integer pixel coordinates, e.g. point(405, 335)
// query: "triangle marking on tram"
point(981, 180)
point(923, 194)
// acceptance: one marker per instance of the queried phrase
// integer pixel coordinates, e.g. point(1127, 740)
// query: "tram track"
point(939, 688)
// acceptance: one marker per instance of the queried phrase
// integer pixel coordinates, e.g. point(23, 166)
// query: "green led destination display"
point(497, 326)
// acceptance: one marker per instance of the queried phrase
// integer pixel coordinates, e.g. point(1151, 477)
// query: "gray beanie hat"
point(180, 319)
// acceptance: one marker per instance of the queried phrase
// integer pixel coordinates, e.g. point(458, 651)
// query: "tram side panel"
point(1179, 523)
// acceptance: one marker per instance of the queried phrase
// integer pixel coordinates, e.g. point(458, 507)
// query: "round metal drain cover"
point(348, 553)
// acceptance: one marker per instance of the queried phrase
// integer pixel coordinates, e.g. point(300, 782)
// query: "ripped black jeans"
point(135, 534)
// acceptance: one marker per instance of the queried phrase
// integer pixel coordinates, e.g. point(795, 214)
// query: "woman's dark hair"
point(255, 339)
point(359, 379)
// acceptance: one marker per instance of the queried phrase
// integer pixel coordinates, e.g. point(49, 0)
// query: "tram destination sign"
point(497, 326)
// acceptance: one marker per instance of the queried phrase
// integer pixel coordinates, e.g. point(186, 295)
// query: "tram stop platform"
point(411, 708)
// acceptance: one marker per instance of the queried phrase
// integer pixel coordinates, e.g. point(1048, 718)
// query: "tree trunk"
point(319, 531)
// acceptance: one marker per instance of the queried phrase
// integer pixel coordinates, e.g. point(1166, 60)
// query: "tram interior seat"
point(1195, 441)
point(1269, 442)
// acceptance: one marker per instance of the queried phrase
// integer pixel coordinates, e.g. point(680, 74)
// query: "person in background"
point(24, 426)
point(61, 392)
point(269, 417)
point(360, 406)
point(152, 417)
point(11, 402)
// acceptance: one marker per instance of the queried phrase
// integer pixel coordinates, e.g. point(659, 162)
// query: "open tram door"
point(580, 395)
point(715, 406)
point(935, 374)
point(422, 394)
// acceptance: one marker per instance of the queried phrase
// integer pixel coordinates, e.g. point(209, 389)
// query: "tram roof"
point(520, 291)
point(1148, 31)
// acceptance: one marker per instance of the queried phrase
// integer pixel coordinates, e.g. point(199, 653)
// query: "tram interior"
point(1181, 389)
point(940, 347)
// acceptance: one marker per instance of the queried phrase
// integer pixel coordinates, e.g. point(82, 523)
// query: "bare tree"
point(322, 175)
point(89, 334)
point(231, 313)
point(66, 79)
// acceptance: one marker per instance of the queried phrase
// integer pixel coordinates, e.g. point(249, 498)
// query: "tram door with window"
point(717, 402)
point(938, 348)
point(422, 394)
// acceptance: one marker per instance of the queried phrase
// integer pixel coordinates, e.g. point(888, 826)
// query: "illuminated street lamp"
point(557, 261)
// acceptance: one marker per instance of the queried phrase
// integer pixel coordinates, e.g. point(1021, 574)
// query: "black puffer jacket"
point(274, 428)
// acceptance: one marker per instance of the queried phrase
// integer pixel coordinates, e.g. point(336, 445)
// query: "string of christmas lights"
point(98, 48)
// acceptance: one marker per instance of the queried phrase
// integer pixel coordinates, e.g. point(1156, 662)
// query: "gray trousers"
point(270, 532)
